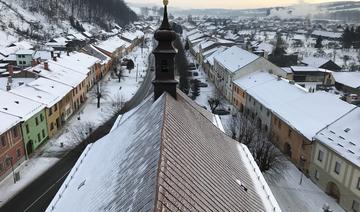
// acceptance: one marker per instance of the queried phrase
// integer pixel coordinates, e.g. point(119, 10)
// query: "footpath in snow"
point(88, 116)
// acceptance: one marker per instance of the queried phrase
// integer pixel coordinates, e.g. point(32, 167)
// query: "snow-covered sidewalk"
point(89, 116)
point(294, 197)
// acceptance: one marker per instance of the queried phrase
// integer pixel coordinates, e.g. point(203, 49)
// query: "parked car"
point(221, 112)
point(203, 85)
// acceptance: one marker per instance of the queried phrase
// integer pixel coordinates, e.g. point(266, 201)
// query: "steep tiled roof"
point(165, 155)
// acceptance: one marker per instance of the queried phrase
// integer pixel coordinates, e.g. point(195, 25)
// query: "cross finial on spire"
point(166, 2)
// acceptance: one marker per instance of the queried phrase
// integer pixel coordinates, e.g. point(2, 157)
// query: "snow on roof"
point(207, 44)
point(304, 69)
point(79, 36)
point(19, 106)
point(91, 50)
point(254, 79)
point(315, 61)
point(59, 73)
point(61, 41)
point(287, 70)
point(7, 122)
point(25, 52)
point(326, 34)
point(351, 79)
point(343, 136)
point(9, 50)
point(267, 47)
point(11, 57)
point(43, 55)
point(112, 44)
point(218, 51)
point(132, 35)
point(284, 91)
point(235, 58)
point(36, 95)
point(51, 86)
point(132, 175)
point(16, 82)
point(310, 113)
point(23, 45)
point(78, 61)
point(196, 36)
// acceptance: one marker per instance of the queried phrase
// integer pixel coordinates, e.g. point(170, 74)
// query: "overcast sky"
point(230, 4)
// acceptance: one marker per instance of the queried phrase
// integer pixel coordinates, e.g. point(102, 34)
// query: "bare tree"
point(117, 102)
point(269, 159)
point(99, 92)
point(80, 132)
point(215, 101)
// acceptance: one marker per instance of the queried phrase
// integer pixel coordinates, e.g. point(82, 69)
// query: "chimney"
point(33, 63)
point(52, 54)
point(46, 66)
point(164, 59)
point(58, 54)
point(11, 70)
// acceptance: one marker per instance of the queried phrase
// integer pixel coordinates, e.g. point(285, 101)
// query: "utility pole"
point(8, 158)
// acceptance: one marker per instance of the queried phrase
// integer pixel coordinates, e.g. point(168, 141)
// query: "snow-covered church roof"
point(165, 155)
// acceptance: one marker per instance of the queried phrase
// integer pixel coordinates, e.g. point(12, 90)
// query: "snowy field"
point(89, 114)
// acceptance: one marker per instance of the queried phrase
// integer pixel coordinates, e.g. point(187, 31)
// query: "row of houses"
point(318, 131)
point(35, 111)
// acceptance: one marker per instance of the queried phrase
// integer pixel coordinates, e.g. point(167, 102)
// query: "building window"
point(317, 175)
point(50, 111)
point(337, 167)
point(41, 117)
point(36, 121)
point(43, 133)
point(358, 184)
point(3, 141)
point(27, 128)
point(164, 66)
point(55, 107)
point(289, 133)
point(18, 153)
point(51, 126)
point(39, 137)
point(355, 206)
point(15, 132)
point(279, 124)
point(268, 112)
point(320, 156)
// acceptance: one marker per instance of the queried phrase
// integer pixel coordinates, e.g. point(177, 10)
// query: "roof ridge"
point(157, 186)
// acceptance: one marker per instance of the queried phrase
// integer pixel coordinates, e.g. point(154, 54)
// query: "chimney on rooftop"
point(10, 70)
point(46, 66)
point(164, 58)
point(52, 54)
point(58, 54)
point(33, 63)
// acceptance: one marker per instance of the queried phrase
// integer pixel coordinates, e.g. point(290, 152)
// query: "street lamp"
point(9, 159)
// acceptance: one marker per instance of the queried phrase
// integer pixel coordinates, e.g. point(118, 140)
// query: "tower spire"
point(165, 58)
point(165, 23)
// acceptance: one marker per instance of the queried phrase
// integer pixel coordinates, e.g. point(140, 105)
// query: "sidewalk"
point(88, 115)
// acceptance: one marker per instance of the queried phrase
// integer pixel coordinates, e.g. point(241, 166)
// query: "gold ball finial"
point(166, 2)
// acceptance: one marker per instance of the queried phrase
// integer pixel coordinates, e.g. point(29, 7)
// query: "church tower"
point(165, 58)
